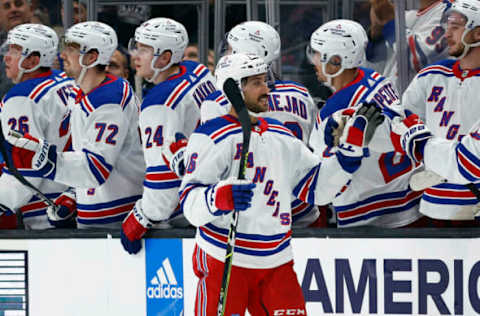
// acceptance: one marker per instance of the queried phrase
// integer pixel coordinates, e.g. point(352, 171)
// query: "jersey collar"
point(108, 79)
point(43, 74)
point(464, 74)
point(358, 77)
point(259, 127)
point(183, 70)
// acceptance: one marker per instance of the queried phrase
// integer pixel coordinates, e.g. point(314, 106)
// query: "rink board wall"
point(339, 276)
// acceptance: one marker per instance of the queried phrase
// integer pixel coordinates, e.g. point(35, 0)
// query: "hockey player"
point(36, 105)
point(444, 96)
point(106, 166)
point(288, 101)
point(170, 109)
point(262, 278)
point(425, 37)
point(378, 194)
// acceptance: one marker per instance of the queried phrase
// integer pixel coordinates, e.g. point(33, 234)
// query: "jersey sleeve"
point(17, 114)
point(460, 161)
point(160, 186)
point(90, 165)
point(320, 180)
point(206, 166)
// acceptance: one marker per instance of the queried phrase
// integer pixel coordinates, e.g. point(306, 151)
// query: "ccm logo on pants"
point(293, 311)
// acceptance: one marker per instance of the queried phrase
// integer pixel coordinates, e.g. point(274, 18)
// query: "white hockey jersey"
point(379, 193)
point(425, 39)
point(462, 158)
point(291, 104)
point(36, 106)
point(279, 164)
point(170, 107)
point(444, 97)
point(106, 167)
point(288, 102)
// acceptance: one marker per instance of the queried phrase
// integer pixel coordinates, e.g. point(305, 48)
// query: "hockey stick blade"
point(18, 175)
point(230, 88)
point(424, 179)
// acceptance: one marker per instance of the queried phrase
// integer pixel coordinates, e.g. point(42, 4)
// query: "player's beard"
point(260, 106)
point(456, 51)
point(69, 71)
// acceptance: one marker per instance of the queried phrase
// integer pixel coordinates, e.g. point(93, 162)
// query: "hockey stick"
point(421, 180)
point(18, 175)
point(233, 94)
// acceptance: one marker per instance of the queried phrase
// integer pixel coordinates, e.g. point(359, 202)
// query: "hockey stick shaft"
point(233, 94)
point(18, 175)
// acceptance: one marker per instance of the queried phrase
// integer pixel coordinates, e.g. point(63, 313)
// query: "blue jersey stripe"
point(379, 212)
point(162, 185)
point(110, 204)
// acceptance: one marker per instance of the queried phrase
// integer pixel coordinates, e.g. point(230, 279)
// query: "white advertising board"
point(389, 276)
point(339, 277)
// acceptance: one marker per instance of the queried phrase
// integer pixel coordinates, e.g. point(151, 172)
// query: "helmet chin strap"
point(22, 70)
point(330, 77)
point(80, 78)
point(157, 71)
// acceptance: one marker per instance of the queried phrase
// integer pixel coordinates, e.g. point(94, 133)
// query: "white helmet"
point(162, 34)
point(343, 38)
point(238, 66)
point(34, 38)
point(255, 37)
point(93, 35)
point(470, 11)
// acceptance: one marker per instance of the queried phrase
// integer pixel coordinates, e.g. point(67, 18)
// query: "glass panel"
point(297, 23)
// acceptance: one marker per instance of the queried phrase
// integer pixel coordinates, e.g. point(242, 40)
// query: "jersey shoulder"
point(288, 86)
point(275, 126)
point(113, 91)
point(442, 68)
point(219, 128)
point(217, 97)
point(170, 92)
point(35, 88)
point(366, 80)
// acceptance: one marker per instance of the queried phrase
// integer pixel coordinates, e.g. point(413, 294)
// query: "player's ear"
point(163, 59)
point(90, 57)
point(476, 35)
point(31, 61)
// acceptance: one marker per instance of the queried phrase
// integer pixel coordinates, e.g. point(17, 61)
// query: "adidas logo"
point(164, 284)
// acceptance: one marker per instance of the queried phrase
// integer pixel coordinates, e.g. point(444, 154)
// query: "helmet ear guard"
point(162, 34)
point(238, 66)
point(341, 39)
point(344, 38)
point(257, 38)
point(92, 35)
point(33, 38)
point(469, 16)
